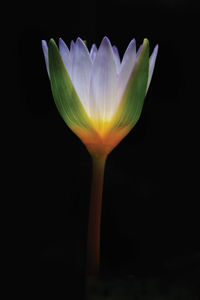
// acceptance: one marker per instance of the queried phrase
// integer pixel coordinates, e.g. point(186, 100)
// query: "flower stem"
point(94, 224)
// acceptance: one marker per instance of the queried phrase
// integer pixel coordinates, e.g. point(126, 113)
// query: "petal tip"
point(133, 41)
point(155, 51)
point(60, 40)
point(44, 43)
point(156, 48)
point(94, 47)
point(61, 43)
point(79, 40)
point(105, 40)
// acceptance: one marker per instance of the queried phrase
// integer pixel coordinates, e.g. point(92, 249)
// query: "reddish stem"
point(94, 224)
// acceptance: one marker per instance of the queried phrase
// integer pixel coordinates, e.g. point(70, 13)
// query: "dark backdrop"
point(150, 219)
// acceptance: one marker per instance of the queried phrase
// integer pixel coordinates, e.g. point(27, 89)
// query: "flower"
point(99, 96)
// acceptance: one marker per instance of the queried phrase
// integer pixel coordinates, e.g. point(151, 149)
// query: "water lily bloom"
point(100, 97)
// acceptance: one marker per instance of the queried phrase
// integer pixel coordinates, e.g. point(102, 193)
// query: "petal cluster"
point(106, 92)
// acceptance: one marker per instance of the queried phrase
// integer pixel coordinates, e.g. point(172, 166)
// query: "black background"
point(150, 219)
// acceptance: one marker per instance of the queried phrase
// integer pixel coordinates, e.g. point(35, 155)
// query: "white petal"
point(117, 58)
point(127, 65)
point(45, 52)
point(64, 51)
point(81, 70)
point(93, 52)
point(152, 61)
point(72, 45)
point(103, 83)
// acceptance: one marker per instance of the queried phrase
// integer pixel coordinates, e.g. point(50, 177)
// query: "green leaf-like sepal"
point(65, 96)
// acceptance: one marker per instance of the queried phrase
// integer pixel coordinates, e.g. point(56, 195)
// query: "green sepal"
point(64, 94)
point(132, 102)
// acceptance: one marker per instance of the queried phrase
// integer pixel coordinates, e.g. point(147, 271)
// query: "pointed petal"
point(72, 45)
point(130, 52)
point(117, 58)
point(45, 52)
point(127, 66)
point(93, 52)
point(64, 51)
point(152, 61)
point(132, 101)
point(65, 96)
point(139, 50)
point(103, 83)
point(81, 70)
